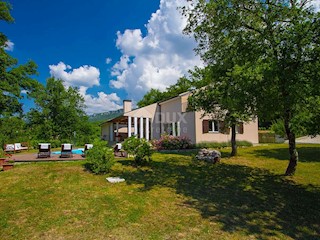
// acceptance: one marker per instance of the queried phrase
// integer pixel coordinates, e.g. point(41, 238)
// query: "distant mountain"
point(101, 117)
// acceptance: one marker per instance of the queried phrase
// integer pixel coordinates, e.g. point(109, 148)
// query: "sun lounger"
point(44, 150)
point(86, 148)
point(118, 151)
point(66, 150)
point(15, 147)
point(9, 148)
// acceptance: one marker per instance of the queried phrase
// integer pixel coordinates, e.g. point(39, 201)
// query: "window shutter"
point(240, 128)
point(205, 126)
point(223, 128)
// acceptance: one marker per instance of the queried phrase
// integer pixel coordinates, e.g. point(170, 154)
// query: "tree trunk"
point(233, 140)
point(292, 148)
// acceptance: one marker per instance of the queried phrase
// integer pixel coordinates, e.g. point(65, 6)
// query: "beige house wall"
point(151, 112)
point(250, 132)
point(172, 111)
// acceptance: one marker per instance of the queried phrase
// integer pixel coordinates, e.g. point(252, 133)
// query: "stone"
point(211, 156)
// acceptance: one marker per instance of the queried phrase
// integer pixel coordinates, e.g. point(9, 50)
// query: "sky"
point(110, 49)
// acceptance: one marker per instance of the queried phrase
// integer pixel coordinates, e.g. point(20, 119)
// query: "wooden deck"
point(33, 157)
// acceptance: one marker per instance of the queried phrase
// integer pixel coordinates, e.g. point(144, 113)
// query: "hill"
point(100, 117)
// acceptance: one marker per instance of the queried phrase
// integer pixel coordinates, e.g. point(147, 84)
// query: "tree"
point(277, 45)
point(220, 94)
point(59, 113)
point(154, 95)
point(12, 130)
point(14, 78)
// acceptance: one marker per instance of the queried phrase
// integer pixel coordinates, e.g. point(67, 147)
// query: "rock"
point(212, 156)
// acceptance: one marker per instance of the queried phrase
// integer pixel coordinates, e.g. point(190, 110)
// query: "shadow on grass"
point(241, 198)
point(306, 154)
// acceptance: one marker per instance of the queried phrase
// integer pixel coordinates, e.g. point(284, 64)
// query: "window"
point(213, 126)
point(172, 128)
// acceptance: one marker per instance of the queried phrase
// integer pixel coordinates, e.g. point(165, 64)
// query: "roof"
point(170, 99)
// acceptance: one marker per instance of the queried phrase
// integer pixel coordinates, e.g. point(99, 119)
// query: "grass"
point(246, 197)
point(220, 145)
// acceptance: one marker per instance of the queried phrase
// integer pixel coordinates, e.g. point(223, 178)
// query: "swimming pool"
point(74, 151)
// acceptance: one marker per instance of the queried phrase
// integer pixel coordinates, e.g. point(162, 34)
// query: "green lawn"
point(173, 198)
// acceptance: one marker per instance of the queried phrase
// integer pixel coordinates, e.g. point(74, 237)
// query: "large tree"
point(14, 78)
point(59, 113)
point(276, 44)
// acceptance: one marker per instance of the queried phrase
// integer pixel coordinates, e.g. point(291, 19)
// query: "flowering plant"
point(169, 142)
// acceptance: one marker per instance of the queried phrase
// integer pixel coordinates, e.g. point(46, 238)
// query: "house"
point(171, 117)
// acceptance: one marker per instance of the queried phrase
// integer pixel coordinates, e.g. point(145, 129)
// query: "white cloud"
point(9, 46)
point(84, 78)
point(87, 76)
point(316, 5)
point(102, 103)
point(158, 59)
point(108, 60)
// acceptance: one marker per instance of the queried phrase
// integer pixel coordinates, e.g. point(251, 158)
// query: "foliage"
point(2, 154)
point(100, 158)
point(271, 50)
point(59, 114)
point(14, 78)
point(278, 127)
point(220, 94)
point(222, 144)
point(154, 95)
point(168, 142)
point(139, 147)
point(12, 130)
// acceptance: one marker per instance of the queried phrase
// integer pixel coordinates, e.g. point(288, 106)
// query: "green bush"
point(140, 148)
point(100, 158)
point(278, 128)
point(222, 144)
point(1, 153)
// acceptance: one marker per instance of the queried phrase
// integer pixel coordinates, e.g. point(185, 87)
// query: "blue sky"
point(112, 50)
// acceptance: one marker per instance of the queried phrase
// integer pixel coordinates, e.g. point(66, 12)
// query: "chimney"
point(127, 106)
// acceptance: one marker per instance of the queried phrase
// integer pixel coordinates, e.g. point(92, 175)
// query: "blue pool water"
point(74, 151)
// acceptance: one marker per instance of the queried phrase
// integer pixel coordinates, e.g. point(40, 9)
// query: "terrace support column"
point(135, 126)
point(129, 127)
point(141, 127)
point(117, 127)
point(147, 129)
point(111, 132)
point(178, 129)
point(173, 127)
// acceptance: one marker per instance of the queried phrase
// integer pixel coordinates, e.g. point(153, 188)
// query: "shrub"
point(100, 158)
point(140, 148)
point(278, 127)
point(2, 154)
point(222, 144)
point(168, 142)
point(55, 143)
